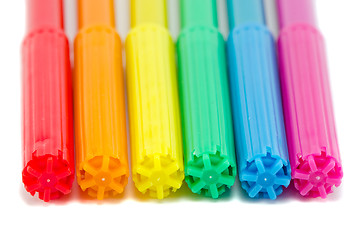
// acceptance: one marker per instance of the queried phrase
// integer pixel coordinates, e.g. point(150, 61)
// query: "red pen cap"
point(47, 103)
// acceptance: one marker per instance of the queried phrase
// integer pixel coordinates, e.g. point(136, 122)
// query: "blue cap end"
point(265, 176)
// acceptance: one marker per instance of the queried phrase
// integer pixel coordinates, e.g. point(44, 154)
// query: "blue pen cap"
point(261, 144)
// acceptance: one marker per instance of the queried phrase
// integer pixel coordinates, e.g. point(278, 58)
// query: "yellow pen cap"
point(99, 105)
point(153, 105)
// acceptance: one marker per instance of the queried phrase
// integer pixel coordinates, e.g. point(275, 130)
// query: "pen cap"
point(42, 14)
point(260, 137)
point(95, 12)
point(198, 13)
point(296, 11)
point(148, 11)
point(245, 11)
point(307, 102)
point(154, 117)
point(100, 114)
point(210, 164)
point(47, 104)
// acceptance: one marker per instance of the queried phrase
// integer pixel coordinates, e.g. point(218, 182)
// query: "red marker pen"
point(47, 103)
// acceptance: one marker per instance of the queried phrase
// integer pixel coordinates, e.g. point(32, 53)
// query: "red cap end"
point(49, 175)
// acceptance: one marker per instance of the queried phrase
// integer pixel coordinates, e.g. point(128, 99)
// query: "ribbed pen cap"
point(245, 11)
point(148, 11)
point(47, 103)
point(296, 11)
point(95, 12)
point(198, 13)
point(307, 101)
point(264, 168)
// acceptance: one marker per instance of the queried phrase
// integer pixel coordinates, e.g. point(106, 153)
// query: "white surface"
point(183, 216)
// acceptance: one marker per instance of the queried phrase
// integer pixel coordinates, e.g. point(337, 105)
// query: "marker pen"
point(153, 105)
point(307, 101)
point(261, 144)
point(210, 164)
point(47, 103)
point(99, 104)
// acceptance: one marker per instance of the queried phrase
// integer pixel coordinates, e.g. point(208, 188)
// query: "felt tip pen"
point(47, 103)
point(210, 164)
point(312, 139)
point(261, 144)
point(153, 105)
point(99, 104)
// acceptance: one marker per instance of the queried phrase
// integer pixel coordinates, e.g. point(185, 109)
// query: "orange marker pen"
point(100, 118)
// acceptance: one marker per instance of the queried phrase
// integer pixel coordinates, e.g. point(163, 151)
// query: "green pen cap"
point(210, 165)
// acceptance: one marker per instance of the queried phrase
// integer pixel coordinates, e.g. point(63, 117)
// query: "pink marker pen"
point(308, 111)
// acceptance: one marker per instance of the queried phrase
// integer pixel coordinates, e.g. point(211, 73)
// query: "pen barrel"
point(293, 12)
point(148, 12)
point(156, 142)
point(100, 115)
point(44, 14)
point(198, 13)
point(210, 164)
point(245, 12)
point(310, 127)
point(47, 114)
point(257, 112)
point(95, 12)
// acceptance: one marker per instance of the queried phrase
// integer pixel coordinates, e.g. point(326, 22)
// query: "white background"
point(186, 216)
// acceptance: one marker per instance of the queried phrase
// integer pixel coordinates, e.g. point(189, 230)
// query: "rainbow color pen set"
point(257, 108)
point(309, 120)
point(181, 126)
point(47, 103)
point(210, 164)
point(155, 128)
point(99, 102)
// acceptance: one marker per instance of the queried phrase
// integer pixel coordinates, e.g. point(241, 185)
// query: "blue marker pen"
point(261, 144)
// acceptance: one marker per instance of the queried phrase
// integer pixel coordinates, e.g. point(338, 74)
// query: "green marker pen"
point(210, 164)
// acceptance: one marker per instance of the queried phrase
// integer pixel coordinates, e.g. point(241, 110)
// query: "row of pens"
point(224, 108)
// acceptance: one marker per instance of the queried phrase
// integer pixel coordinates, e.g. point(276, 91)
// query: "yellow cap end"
point(158, 176)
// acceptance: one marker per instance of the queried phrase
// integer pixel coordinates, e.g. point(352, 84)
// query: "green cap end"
point(210, 174)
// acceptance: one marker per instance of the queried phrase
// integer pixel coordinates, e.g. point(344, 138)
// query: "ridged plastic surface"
point(257, 112)
point(210, 165)
point(312, 139)
point(101, 135)
point(47, 114)
point(156, 142)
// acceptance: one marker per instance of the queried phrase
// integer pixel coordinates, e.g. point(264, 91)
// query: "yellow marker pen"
point(100, 119)
point(156, 142)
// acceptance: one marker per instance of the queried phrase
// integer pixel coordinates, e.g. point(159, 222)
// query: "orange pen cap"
point(100, 115)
